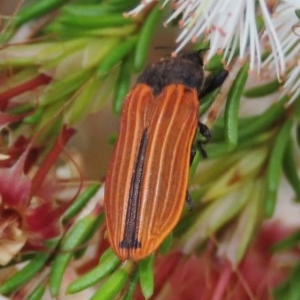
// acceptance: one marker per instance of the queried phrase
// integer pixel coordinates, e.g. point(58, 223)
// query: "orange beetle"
point(147, 180)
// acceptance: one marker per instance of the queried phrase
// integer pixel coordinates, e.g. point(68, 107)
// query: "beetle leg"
point(212, 82)
point(205, 132)
point(202, 150)
point(189, 201)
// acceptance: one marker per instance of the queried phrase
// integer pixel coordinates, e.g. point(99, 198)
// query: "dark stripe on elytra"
point(130, 239)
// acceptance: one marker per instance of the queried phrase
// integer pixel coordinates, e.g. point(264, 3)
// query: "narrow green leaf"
point(79, 107)
point(250, 127)
point(97, 9)
point(35, 117)
point(21, 55)
point(144, 39)
point(215, 63)
point(66, 32)
point(215, 171)
point(237, 237)
point(115, 56)
point(297, 12)
point(132, 286)
point(23, 276)
point(146, 274)
point(275, 167)
point(108, 262)
point(245, 168)
point(298, 134)
point(291, 241)
point(49, 124)
point(36, 9)
point(22, 109)
point(74, 237)
point(194, 165)
point(123, 5)
point(123, 85)
point(289, 289)
point(214, 150)
point(99, 220)
point(290, 169)
point(55, 53)
point(263, 90)
point(254, 125)
point(28, 272)
point(202, 45)
point(218, 149)
point(114, 284)
point(38, 293)
point(79, 10)
point(60, 89)
point(105, 90)
point(207, 101)
point(81, 201)
point(232, 107)
point(215, 215)
point(296, 108)
point(247, 222)
point(95, 22)
point(166, 245)
point(112, 139)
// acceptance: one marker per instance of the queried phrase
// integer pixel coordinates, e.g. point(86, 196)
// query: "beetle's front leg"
point(206, 134)
point(213, 82)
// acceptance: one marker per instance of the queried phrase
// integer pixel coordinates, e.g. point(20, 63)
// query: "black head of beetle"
point(185, 68)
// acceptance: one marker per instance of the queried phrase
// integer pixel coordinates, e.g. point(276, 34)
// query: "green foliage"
point(108, 263)
point(38, 293)
point(232, 108)
point(146, 269)
point(289, 290)
point(73, 238)
point(28, 272)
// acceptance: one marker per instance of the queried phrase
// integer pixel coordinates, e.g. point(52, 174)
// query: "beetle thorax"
point(185, 69)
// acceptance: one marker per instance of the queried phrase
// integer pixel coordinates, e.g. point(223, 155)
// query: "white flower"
point(232, 24)
point(288, 29)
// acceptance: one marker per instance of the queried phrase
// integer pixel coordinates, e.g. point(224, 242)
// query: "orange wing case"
point(146, 184)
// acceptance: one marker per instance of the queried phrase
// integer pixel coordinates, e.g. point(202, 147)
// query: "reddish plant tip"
point(40, 79)
point(51, 158)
